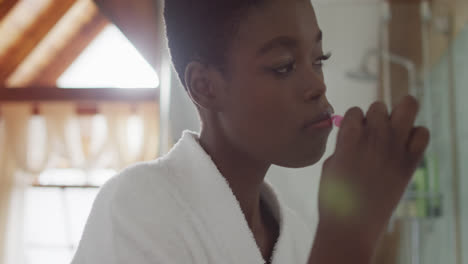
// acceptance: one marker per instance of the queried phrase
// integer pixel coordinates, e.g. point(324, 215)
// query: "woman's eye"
point(285, 69)
point(321, 59)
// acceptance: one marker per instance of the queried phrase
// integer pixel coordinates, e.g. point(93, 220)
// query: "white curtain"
point(59, 138)
point(118, 146)
point(14, 155)
point(150, 146)
point(63, 133)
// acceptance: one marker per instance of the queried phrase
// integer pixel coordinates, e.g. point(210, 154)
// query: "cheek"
point(262, 118)
point(265, 108)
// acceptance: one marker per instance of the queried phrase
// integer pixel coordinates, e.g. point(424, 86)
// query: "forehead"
point(280, 18)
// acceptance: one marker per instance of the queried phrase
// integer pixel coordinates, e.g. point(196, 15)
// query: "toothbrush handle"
point(337, 120)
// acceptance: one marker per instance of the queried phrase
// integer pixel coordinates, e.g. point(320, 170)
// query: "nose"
point(315, 87)
point(331, 109)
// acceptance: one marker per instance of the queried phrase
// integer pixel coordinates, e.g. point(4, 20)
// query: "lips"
point(322, 120)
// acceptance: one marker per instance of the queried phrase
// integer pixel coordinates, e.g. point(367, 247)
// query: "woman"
point(254, 70)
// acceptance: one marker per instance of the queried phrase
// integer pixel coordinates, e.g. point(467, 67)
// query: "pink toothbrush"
point(337, 120)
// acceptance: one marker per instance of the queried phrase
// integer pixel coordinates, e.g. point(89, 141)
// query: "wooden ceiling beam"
point(63, 58)
point(62, 45)
point(48, 94)
point(86, 100)
point(13, 56)
point(6, 6)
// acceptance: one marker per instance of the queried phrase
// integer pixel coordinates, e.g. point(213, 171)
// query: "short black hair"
point(201, 30)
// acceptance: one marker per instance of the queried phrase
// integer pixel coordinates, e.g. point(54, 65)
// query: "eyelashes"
point(290, 66)
point(284, 69)
point(323, 58)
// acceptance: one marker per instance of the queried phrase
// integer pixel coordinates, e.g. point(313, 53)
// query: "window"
point(56, 209)
point(110, 61)
point(55, 217)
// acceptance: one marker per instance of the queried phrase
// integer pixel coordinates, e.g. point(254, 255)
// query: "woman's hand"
point(363, 181)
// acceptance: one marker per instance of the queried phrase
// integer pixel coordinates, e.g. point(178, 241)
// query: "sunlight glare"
point(110, 61)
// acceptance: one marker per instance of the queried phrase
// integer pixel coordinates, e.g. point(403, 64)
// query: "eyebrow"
point(283, 41)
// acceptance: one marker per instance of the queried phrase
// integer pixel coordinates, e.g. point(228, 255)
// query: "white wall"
point(349, 31)
point(183, 113)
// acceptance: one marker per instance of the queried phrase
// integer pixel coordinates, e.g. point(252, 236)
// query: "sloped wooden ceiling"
point(44, 14)
point(46, 36)
point(142, 23)
point(62, 45)
point(62, 59)
point(39, 39)
point(6, 6)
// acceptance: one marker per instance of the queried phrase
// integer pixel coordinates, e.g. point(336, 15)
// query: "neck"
point(244, 175)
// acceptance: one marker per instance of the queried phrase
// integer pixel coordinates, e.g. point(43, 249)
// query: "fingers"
point(418, 141)
point(353, 117)
point(377, 117)
point(403, 117)
point(415, 147)
point(351, 126)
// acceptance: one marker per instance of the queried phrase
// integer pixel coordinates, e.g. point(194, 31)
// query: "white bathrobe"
point(179, 209)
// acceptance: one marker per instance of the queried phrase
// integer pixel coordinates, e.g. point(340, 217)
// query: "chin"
point(303, 159)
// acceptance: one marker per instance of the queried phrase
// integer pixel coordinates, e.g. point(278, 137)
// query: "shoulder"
point(137, 180)
point(143, 191)
point(135, 219)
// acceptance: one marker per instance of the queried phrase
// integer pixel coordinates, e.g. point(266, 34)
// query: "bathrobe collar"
point(214, 202)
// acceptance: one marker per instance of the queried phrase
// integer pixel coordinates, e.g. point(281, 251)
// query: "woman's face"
point(275, 86)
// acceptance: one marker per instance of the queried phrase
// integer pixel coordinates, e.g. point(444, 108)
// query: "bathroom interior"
point(65, 117)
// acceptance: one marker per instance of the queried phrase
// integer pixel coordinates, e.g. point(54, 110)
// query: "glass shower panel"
point(459, 53)
point(432, 213)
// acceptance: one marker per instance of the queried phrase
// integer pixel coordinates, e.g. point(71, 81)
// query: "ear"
point(201, 86)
